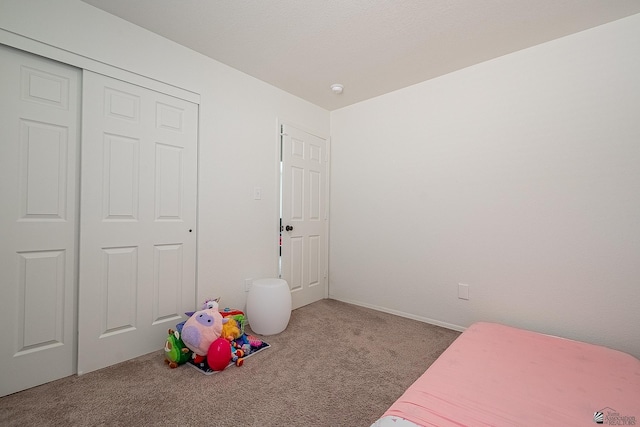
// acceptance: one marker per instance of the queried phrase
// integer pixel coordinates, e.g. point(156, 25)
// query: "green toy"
point(175, 352)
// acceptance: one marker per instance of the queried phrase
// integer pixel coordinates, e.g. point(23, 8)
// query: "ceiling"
point(370, 46)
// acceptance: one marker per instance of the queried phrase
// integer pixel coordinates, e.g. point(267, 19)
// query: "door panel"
point(138, 239)
point(304, 194)
point(39, 122)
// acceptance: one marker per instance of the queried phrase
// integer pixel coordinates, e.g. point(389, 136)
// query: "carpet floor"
point(336, 364)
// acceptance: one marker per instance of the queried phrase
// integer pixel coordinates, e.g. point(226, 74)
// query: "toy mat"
point(204, 368)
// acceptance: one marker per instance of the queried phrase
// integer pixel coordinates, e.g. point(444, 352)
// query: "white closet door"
point(138, 219)
point(39, 116)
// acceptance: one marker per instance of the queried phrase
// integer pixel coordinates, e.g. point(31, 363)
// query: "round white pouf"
point(269, 306)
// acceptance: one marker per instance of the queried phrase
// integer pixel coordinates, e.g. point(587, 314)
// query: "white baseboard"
point(402, 314)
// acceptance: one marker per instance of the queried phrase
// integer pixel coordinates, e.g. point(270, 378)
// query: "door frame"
point(278, 212)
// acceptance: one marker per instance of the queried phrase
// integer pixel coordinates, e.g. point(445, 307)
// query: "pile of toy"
point(211, 339)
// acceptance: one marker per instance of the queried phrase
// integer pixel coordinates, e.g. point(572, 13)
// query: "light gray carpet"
point(336, 364)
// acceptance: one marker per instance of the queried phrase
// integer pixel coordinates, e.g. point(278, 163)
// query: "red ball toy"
point(219, 354)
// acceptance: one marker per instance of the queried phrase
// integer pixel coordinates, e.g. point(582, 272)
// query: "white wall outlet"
point(463, 291)
point(247, 284)
point(257, 193)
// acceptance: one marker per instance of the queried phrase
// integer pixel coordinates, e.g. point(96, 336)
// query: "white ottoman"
point(269, 306)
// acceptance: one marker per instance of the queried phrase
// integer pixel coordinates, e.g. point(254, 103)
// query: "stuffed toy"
point(201, 329)
point(175, 352)
point(231, 329)
point(211, 303)
point(231, 332)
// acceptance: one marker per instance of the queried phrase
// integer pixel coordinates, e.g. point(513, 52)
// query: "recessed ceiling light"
point(337, 88)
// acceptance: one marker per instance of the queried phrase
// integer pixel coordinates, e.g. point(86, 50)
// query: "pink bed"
point(498, 375)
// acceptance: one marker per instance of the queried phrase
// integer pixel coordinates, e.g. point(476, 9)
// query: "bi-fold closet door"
point(98, 217)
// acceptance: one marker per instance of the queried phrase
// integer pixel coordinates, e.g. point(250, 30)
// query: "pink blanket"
point(498, 375)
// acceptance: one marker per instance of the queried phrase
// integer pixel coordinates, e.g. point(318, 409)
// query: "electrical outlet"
point(257, 193)
point(463, 291)
point(247, 284)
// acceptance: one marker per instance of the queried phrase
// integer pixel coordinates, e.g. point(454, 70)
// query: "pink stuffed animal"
point(201, 329)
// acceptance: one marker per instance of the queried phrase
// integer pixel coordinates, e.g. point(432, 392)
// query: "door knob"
point(289, 227)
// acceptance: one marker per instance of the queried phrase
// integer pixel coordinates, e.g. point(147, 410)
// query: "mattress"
point(497, 375)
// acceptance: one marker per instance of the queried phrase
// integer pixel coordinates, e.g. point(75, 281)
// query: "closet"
point(98, 217)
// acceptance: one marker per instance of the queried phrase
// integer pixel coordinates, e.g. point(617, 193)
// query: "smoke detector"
point(337, 88)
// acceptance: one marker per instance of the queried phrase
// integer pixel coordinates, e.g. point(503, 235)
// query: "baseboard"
point(403, 314)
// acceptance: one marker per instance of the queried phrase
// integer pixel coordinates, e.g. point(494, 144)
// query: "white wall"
point(519, 176)
point(237, 236)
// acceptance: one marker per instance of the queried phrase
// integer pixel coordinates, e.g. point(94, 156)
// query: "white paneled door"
point(39, 130)
point(138, 219)
point(304, 215)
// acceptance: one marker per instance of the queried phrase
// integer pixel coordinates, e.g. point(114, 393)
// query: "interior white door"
point(39, 129)
point(138, 219)
point(304, 215)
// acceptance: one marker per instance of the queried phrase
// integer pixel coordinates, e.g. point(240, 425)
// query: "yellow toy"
point(230, 330)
